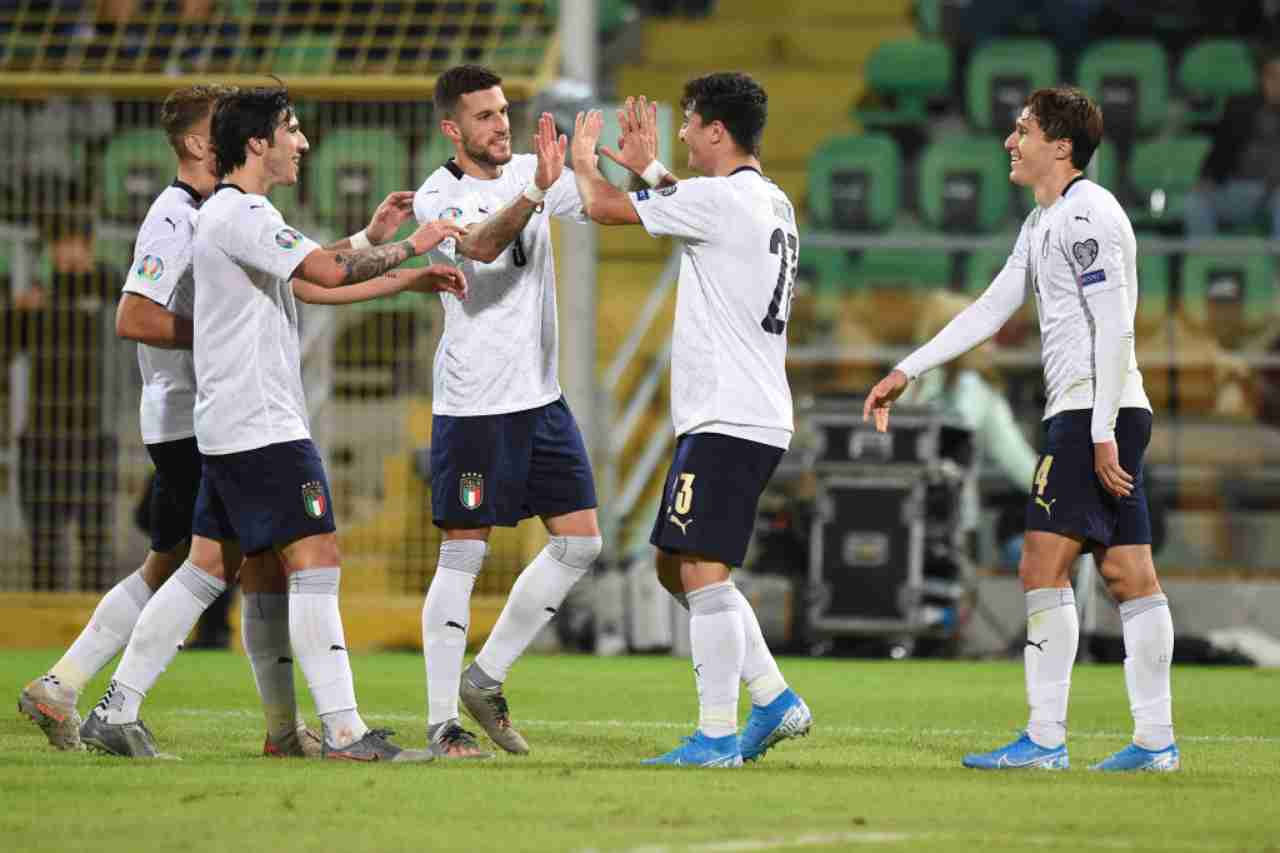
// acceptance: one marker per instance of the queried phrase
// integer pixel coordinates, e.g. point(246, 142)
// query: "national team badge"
point(313, 500)
point(471, 490)
point(151, 267)
point(287, 238)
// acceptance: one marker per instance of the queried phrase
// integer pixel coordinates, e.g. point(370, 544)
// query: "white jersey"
point(247, 356)
point(737, 277)
point(161, 272)
point(499, 350)
point(1080, 246)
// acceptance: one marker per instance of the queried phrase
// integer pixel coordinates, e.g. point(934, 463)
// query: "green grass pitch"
point(881, 769)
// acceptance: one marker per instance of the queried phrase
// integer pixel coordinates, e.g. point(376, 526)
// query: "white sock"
point(719, 643)
point(535, 598)
point(315, 633)
point(161, 630)
point(1148, 648)
point(1053, 634)
point(759, 670)
point(106, 634)
point(446, 615)
point(264, 630)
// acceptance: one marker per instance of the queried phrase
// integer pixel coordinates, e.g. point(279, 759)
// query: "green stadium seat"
point(964, 184)
point(1154, 287)
point(431, 156)
point(901, 269)
point(982, 266)
point(1000, 76)
point(1161, 173)
point(906, 73)
point(1213, 71)
point(1246, 279)
point(611, 15)
point(305, 53)
point(1104, 169)
point(351, 171)
point(136, 166)
point(854, 183)
point(1129, 78)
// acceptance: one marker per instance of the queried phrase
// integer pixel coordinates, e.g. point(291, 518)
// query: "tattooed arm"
point(394, 211)
point(329, 268)
point(437, 278)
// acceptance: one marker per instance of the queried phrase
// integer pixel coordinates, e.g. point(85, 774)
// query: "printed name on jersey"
point(287, 238)
point(1093, 278)
point(1086, 253)
point(151, 267)
point(671, 190)
point(642, 195)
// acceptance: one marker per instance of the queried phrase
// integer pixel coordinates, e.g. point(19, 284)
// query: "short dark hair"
point(1066, 112)
point(735, 100)
point(458, 81)
point(243, 115)
point(183, 108)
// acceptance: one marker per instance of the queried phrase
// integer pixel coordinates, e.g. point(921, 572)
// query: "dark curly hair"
point(458, 81)
point(243, 115)
point(1068, 113)
point(735, 100)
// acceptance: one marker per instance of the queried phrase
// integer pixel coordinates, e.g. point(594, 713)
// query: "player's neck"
point(733, 163)
point(251, 178)
point(1050, 189)
point(196, 176)
point(476, 169)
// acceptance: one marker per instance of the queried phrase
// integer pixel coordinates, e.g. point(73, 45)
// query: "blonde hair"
point(184, 108)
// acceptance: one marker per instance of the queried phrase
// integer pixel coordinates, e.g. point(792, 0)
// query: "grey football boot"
point(451, 741)
point(488, 707)
point(375, 746)
point(128, 740)
point(52, 707)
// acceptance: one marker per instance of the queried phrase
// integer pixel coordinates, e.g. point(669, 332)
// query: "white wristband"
point(654, 173)
point(534, 193)
point(360, 240)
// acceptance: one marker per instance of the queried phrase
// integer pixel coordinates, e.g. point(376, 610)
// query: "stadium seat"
point(136, 166)
point(1161, 173)
point(305, 53)
point(906, 74)
point(351, 171)
point(1154, 290)
point(431, 156)
point(611, 15)
point(1104, 168)
point(1224, 291)
point(964, 184)
point(854, 183)
point(982, 266)
point(1213, 71)
point(1000, 76)
point(1130, 81)
point(901, 269)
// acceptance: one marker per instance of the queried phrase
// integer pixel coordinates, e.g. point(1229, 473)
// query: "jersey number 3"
point(788, 246)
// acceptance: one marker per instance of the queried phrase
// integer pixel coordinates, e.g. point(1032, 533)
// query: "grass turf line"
point(880, 770)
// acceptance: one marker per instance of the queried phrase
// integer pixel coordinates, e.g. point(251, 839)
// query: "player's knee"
point(463, 555)
point(576, 552)
point(206, 555)
point(160, 566)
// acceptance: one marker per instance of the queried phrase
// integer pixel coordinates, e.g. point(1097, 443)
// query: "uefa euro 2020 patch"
point(151, 267)
point(287, 238)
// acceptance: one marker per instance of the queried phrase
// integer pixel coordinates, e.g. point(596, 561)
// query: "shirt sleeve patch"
point(642, 195)
point(1086, 252)
point(1093, 277)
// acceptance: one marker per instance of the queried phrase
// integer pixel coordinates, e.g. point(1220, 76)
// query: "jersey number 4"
point(788, 246)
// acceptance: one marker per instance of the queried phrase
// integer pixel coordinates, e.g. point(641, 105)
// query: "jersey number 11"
point(788, 246)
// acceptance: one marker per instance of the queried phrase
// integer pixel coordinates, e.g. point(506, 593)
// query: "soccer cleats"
point(488, 707)
point(127, 740)
point(785, 717)
point(452, 741)
point(1134, 757)
point(52, 707)
point(299, 743)
point(1022, 753)
point(699, 750)
point(375, 746)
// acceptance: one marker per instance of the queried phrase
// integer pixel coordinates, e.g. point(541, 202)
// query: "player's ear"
point(451, 130)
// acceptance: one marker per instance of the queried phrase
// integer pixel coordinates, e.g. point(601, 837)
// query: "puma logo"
point(1084, 219)
point(1047, 507)
point(336, 648)
point(1039, 645)
point(172, 224)
point(462, 628)
point(256, 206)
point(683, 525)
point(550, 610)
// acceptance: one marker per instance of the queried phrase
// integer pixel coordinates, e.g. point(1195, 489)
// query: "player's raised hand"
point(550, 151)
point(1106, 464)
point(638, 145)
point(394, 211)
point(441, 278)
point(432, 234)
point(881, 397)
point(586, 136)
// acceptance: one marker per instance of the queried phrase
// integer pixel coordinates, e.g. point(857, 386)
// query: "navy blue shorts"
point(1066, 496)
point(173, 493)
point(496, 470)
point(710, 497)
point(266, 497)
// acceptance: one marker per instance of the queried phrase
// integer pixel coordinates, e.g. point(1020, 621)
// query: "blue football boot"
point(1022, 753)
point(1134, 757)
point(784, 717)
point(698, 750)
